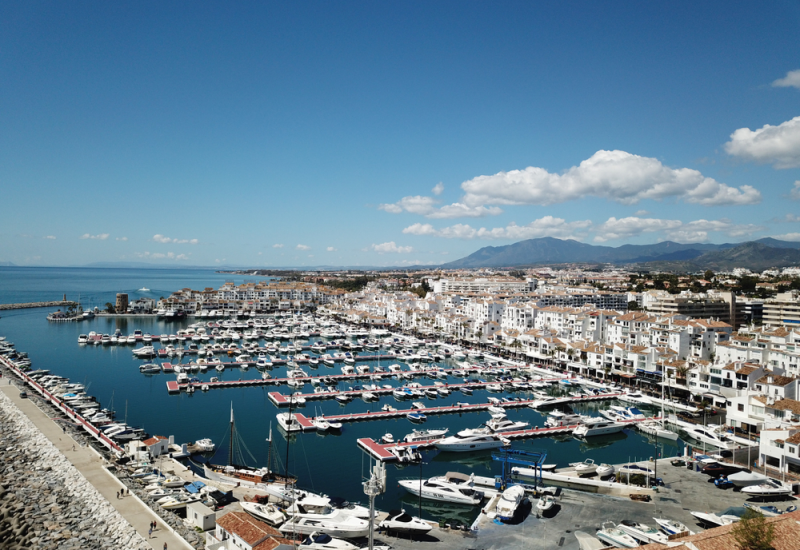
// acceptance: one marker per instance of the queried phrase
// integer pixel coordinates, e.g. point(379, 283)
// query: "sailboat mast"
point(230, 447)
point(269, 449)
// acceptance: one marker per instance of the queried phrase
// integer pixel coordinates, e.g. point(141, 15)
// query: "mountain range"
point(755, 255)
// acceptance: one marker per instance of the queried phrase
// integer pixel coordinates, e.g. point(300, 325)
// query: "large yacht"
point(442, 489)
point(603, 427)
point(499, 423)
point(471, 440)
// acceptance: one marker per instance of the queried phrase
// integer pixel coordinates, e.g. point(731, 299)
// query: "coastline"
point(56, 491)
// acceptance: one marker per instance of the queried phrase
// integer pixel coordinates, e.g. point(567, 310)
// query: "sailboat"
point(242, 475)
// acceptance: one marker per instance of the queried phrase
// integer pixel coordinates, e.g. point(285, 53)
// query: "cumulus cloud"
point(277, 246)
point(99, 237)
point(166, 240)
point(795, 192)
point(613, 175)
point(788, 237)
point(303, 247)
point(331, 249)
point(437, 189)
point(427, 206)
point(791, 80)
point(778, 145)
point(547, 226)
point(390, 247)
point(122, 238)
point(676, 230)
point(50, 237)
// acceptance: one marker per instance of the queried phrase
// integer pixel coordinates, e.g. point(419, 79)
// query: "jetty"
point(382, 451)
point(30, 305)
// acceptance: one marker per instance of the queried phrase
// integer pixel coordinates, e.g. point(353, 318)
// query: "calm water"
point(332, 464)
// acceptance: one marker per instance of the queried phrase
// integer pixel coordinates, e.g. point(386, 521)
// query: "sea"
point(331, 463)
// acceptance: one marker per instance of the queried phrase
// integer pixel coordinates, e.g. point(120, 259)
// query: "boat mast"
point(230, 446)
point(269, 449)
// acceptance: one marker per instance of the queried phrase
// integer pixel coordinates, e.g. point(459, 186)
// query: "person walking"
point(150, 532)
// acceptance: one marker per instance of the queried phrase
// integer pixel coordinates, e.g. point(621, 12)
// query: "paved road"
point(92, 466)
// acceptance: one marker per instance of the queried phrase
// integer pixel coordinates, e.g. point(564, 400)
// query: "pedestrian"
point(165, 546)
point(150, 533)
point(117, 494)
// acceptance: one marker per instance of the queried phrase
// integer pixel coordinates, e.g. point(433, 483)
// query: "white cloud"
point(795, 192)
point(791, 80)
point(676, 230)
point(426, 206)
point(303, 247)
point(122, 238)
point(277, 246)
point(437, 189)
point(779, 145)
point(632, 226)
point(390, 247)
point(331, 249)
point(166, 240)
point(613, 175)
point(100, 237)
point(547, 226)
point(788, 237)
point(50, 237)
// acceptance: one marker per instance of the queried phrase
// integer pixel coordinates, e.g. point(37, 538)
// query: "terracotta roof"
point(775, 380)
point(780, 404)
point(248, 528)
point(153, 440)
point(787, 533)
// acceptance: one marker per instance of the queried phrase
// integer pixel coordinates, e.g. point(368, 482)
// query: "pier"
point(30, 305)
point(380, 451)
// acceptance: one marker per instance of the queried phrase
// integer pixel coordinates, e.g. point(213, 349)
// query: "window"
point(740, 407)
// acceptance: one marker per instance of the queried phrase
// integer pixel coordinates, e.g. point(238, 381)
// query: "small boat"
point(400, 521)
point(633, 469)
point(605, 470)
point(769, 488)
point(265, 512)
point(614, 536)
point(644, 533)
point(546, 503)
point(766, 511)
point(387, 438)
point(509, 502)
point(424, 435)
point(744, 479)
point(321, 424)
point(144, 289)
point(671, 527)
point(416, 417)
point(715, 520)
point(205, 445)
point(585, 468)
point(323, 541)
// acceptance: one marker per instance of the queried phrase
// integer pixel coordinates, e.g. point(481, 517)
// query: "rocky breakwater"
point(45, 503)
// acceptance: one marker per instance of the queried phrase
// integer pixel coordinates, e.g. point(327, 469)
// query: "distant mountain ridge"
point(767, 252)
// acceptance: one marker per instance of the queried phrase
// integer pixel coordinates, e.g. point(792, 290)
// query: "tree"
point(110, 308)
point(708, 275)
point(633, 305)
point(753, 532)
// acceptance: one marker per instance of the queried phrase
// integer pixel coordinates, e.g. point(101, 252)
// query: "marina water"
point(330, 463)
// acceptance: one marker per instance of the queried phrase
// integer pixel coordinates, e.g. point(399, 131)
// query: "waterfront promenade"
point(93, 468)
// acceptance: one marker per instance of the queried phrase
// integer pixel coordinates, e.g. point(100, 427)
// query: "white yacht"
point(546, 503)
point(557, 419)
point(635, 398)
point(744, 479)
point(656, 428)
point(671, 527)
point(442, 489)
point(585, 468)
point(289, 423)
point(768, 488)
point(400, 521)
point(644, 533)
point(269, 513)
point(509, 502)
point(604, 427)
point(335, 523)
point(471, 440)
point(614, 536)
point(424, 435)
point(499, 423)
point(709, 436)
point(322, 541)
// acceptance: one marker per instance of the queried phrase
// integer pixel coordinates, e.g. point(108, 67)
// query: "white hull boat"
point(585, 468)
point(400, 521)
point(265, 512)
point(767, 489)
point(671, 527)
point(335, 524)
point(471, 440)
point(616, 537)
point(546, 503)
point(321, 541)
point(441, 489)
point(509, 502)
point(644, 533)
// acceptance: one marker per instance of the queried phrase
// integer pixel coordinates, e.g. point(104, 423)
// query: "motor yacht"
point(709, 436)
point(671, 527)
point(546, 503)
point(323, 541)
point(656, 428)
point(289, 423)
point(499, 424)
point(616, 537)
point(334, 523)
point(769, 488)
point(471, 440)
point(603, 427)
point(424, 435)
point(644, 533)
point(269, 513)
point(585, 468)
point(509, 502)
point(400, 521)
point(744, 479)
point(442, 489)
point(716, 520)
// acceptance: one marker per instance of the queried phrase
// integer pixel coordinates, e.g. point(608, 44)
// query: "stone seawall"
point(45, 503)
point(28, 305)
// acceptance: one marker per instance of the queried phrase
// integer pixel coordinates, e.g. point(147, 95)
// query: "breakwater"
point(44, 501)
point(29, 305)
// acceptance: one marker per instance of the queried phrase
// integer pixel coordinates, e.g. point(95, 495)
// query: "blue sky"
point(345, 133)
